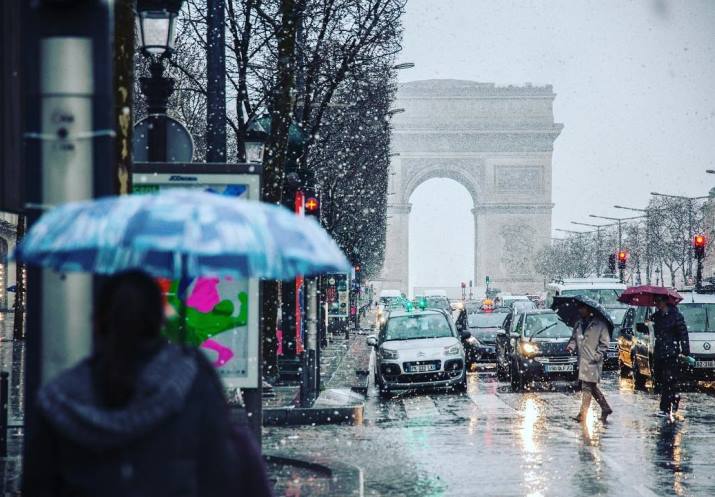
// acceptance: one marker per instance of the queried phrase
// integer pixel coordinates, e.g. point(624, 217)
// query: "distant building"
point(495, 141)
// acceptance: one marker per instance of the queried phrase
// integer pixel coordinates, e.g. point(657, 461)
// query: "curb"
point(345, 479)
point(293, 416)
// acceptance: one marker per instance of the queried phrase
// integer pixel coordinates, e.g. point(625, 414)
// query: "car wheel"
point(638, 378)
point(501, 372)
point(517, 379)
point(624, 370)
point(462, 385)
point(384, 391)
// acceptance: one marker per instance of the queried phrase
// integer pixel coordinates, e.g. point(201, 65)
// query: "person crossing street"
point(590, 338)
point(671, 340)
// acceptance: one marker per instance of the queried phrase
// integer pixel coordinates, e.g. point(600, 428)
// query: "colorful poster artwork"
point(217, 309)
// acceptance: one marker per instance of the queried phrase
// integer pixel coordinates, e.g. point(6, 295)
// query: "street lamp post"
point(619, 222)
point(156, 22)
point(598, 242)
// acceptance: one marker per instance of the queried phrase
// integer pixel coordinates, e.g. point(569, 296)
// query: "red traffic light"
point(311, 205)
point(699, 241)
point(622, 256)
point(357, 268)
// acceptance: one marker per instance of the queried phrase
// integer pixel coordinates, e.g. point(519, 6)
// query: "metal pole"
point(647, 248)
point(157, 89)
point(216, 83)
point(690, 238)
point(3, 412)
point(67, 81)
point(309, 386)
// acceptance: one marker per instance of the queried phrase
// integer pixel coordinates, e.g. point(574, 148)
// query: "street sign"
point(179, 143)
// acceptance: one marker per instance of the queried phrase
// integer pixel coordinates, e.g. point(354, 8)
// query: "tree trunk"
point(274, 164)
point(18, 328)
point(123, 93)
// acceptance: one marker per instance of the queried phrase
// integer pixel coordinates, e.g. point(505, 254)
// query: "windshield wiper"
point(542, 330)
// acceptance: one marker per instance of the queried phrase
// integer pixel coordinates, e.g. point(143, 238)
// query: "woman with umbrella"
point(671, 339)
point(591, 336)
point(141, 416)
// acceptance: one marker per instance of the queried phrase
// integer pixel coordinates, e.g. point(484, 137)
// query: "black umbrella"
point(567, 309)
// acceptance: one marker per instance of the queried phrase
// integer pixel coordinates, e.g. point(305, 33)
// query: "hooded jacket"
point(173, 438)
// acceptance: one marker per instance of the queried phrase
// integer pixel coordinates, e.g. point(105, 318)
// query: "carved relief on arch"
point(518, 246)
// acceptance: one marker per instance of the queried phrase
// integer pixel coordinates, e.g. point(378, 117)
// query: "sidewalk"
point(343, 377)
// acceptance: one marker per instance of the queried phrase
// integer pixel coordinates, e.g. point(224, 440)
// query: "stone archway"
point(497, 143)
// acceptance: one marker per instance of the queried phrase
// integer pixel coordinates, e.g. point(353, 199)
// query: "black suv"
point(532, 346)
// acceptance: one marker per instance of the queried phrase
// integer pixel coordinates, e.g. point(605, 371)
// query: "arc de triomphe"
point(495, 141)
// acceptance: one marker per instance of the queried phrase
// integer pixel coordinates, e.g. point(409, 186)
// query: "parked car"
point(622, 317)
point(418, 349)
point(484, 327)
point(636, 342)
point(532, 347)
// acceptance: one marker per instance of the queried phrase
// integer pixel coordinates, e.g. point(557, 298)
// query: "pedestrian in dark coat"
point(140, 417)
point(671, 340)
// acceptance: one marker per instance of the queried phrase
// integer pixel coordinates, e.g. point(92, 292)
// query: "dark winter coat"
point(671, 334)
point(173, 438)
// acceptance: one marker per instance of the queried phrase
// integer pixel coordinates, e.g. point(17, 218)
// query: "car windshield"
point(437, 302)
point(604, 296)
point(617, 314)
point(698, 317)
point(417, 326)
point(523, 305)
point(555, 328)
point(486, 319)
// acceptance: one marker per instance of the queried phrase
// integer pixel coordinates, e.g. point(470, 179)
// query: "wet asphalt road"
point(493, 442)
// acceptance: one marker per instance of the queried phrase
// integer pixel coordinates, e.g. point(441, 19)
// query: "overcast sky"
point(635, 85)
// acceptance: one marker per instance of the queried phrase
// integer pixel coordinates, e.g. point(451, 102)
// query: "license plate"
point(421, 368)
point(612, 353)
point(705, 364)
point(559, 368)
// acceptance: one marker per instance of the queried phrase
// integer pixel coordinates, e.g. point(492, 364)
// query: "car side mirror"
point(371, 341)
point(642, 328)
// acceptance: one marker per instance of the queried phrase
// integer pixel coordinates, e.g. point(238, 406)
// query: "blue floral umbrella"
point(181, 234)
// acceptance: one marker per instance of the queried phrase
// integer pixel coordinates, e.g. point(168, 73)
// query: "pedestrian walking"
point(140, 416)
point(671, 340)
point(590, 339)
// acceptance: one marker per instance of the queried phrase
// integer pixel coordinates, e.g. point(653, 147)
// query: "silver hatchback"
point(418, 349)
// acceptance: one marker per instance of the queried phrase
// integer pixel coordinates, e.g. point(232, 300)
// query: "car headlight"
point(473, 341)
point(529, 349)
point(453, 350)
point(388, 353)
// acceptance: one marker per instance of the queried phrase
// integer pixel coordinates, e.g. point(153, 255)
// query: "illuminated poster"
point(221, 313)
point(337, 295)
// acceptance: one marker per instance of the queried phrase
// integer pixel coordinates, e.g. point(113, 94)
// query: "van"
point(605, 291)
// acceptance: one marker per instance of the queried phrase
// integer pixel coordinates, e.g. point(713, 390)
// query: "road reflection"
point(669, 455)
point(529, 430)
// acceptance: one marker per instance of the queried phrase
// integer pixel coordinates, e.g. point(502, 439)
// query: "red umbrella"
point(644, 295)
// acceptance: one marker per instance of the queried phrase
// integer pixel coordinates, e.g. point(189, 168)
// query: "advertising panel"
point(221, 313)
point(337, 294)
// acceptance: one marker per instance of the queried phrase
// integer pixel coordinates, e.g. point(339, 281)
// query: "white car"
point(698, 309)
point(418, 349)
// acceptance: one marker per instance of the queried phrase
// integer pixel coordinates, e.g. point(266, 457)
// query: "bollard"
point(3, 412)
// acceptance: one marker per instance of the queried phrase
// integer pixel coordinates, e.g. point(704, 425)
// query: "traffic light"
point(699, 244)
point(312, 207)
point(622, 259)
